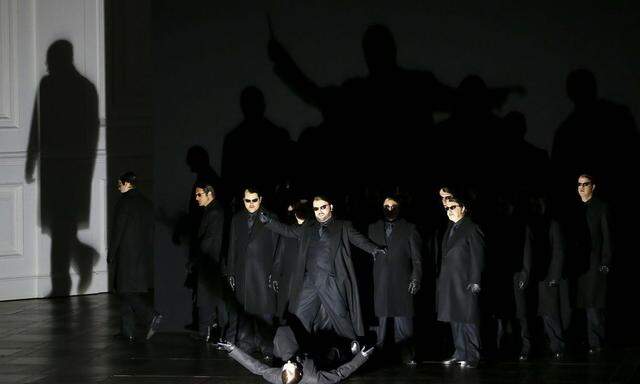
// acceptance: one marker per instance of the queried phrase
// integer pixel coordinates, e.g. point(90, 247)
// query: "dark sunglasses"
point(451, 207)
point(585, 184)
point(323, 207)
point(251, 200)
point(390, 207)
point(200, 194)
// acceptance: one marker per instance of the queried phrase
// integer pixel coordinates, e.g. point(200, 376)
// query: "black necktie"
point(322, 230)
point(388, 229)
point(252, 219)
point(453, 229)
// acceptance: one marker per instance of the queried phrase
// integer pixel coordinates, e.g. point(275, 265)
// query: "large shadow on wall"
point(63, 140)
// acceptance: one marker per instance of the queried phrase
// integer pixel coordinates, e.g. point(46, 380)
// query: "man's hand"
point(552, 283)
point(414, 286)
point(263, 217)
point(232, 283)
point(604, 269)
point(523, 281)
point(366, 352)
point(275, 286)
point(474, 288)
point(225, 346)
point(380, 251)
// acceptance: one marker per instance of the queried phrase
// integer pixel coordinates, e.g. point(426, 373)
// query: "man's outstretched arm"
point(345, 370)
point(272, 375)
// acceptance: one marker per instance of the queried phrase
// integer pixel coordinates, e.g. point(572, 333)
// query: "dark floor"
point(70, 341)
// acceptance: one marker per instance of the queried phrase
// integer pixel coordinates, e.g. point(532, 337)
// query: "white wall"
point(27, 29)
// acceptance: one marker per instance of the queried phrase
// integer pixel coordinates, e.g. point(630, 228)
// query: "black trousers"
point(211, 304)
point(466, 340)
point(321, 307)
point(553, 329)
point(134, 306)
point(256, 333)
point(402, 334)
point(595, 327)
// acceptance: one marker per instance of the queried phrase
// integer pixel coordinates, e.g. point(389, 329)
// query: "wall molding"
point(9, 102)
point(29, 287)
point(13, 220)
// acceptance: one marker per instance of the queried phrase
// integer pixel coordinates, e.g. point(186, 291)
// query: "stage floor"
point(70, 341)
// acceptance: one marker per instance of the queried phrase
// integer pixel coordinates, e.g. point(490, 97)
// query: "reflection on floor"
point(70, 341)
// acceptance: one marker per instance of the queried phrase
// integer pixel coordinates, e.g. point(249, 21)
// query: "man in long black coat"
point(250, 260)
point(213, 312)
point(323, 278)
point(508, 271)
point(285, 261)
point(547, 290)
point(397, 276)
point(591, 259)
point(463, 253)
point(130, 256)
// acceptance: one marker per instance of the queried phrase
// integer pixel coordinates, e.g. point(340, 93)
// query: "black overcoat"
point(250, 260)
point(393, 272)
point(592, 284)
point(548, 250)
point(284, 271)
point(341, 233)
point(210, 237)
point(462, 264)
point(131, 244)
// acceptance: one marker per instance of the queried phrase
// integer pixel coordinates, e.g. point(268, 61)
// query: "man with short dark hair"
point(324, 281)
point(130, 255)
point(397, 276)
point(250, 260)
point(212, 311)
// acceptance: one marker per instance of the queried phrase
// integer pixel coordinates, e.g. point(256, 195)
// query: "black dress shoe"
point(467, 364)
point(557, 356)
point(450, 361)
point(123, 337)
point(154, 326)
point(410, 363)
point(595, 351)
point(523, 357)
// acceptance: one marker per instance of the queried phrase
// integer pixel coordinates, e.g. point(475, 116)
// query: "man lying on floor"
point(301, 369)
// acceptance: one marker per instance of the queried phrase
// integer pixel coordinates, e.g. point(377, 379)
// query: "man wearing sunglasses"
point(463, 250)
point(323, 282)
point(396, 277)
point(212, 312)
point(591, 257)
point(250, 260)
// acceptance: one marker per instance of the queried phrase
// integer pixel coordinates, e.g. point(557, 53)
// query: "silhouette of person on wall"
point(251, 139)
point(598, 135)
point(63, 139)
